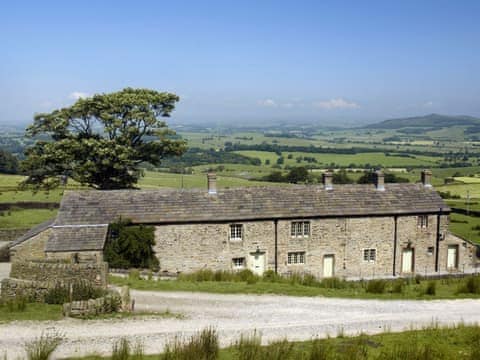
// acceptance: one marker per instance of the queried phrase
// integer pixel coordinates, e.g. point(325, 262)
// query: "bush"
point(471, 285)
point(376, 286)
point(333, 283)
point(431, 288)
point(43, 347)
point(398, 286)
point(271, 276)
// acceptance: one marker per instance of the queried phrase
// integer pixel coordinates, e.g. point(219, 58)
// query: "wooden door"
point(328, 263)
point(407, 260)
point(257, 263)
point(452, 257)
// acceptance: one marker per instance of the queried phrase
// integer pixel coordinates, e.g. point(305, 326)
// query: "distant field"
point(462, 190)
point(468, 180)
point(25, 218)
point(463, 226)
point(360, 160)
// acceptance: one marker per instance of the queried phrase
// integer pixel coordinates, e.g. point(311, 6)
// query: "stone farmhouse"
point(349, 231)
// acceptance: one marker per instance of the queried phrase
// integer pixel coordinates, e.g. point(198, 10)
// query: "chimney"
point(212, 183)
point(379, 180)
point(427, 178)
point(327, 180)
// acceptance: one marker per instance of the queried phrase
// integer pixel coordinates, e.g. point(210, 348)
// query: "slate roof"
point(77, 238)
point(253, 203)
point(32, 232)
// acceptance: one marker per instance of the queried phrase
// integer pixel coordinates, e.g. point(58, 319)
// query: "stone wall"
point(107, 304)
point(191, 247)
point(56, 272)
point(33, 290)
point(76, 256)
point(33, 248)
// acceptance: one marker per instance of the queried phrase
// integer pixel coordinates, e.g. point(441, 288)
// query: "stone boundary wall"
point(52, 272)
point(33, 290)
point(11, 234)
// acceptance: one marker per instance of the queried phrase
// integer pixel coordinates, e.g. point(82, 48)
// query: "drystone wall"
point(52, 272)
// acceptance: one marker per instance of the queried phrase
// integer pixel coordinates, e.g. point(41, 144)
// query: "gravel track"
point(275, 317)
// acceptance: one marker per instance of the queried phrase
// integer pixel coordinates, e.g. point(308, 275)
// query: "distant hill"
point(432, 121)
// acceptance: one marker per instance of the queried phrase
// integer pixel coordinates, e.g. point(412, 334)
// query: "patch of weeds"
point(43, 347)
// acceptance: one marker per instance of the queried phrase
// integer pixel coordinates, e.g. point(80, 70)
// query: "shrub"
point(42, 347)
point(271, 276)
point(131, 246)
point(431, 288)
point(376, 286)
point(471, 285)
point(398, 286)
point(134, 274)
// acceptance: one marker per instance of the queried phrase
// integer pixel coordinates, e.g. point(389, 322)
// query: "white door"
point(328, 265)
point(452, 257)
point(407, 260)
point(257, 263)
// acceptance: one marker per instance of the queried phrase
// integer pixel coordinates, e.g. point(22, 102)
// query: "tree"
point(298, 175)
point(102, 140)
point(8, 163)
point(341, 177)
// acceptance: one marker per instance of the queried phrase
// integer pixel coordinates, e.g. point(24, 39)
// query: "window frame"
point(296, 257)
point(234, 230)
point(367, 255)
point(300, 228)
point(240, 260)
point(422, 221)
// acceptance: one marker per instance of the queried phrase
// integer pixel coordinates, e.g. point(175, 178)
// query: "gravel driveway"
point(276, 317)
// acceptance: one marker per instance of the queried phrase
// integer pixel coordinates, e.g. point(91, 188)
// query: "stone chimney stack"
point(379, 180)
point(328, 180)
point(427, 178)
point(212, 183)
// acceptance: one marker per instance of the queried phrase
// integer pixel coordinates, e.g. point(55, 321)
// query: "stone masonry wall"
point(54, 272)
point(186, 248)
point(33, 248)
point(11, 234)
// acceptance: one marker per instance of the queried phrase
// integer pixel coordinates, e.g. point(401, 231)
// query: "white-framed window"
point(297, 257)
point(422, 221)
point(369, 255)
point(236, 232)
point(238, 263)
point(300, 228)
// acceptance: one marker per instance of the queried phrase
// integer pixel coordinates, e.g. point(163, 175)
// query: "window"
point(236, 232)
point(296, 257)
point(430, 250)
point(300, 228)
point(238, 263)
point(370, 255)
point(422, 221)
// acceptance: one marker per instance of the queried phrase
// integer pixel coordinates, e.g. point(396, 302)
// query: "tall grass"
point(43, 347)
point(201, 346)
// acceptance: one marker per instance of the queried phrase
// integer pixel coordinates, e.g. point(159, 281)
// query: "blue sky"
point(246, 61)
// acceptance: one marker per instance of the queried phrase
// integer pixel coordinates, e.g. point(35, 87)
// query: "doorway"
point(452, 257)
point(328, 265)
point(407, 260)
point(257, 263)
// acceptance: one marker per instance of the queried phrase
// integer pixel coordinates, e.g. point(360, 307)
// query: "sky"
point(245, 62)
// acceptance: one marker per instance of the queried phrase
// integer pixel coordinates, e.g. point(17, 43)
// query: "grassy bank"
point(30, 311)
point(414, 288)
point(438, 343)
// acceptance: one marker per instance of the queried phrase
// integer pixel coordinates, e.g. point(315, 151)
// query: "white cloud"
point(267, 103)
point(338, 103)
point(78, 95)
point(428, 104)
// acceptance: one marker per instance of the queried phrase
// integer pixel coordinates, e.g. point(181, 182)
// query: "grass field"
point(462, 190)
point(360, 160)
point(467, 227)
point(25, 218)
point(431, 343)
point(32, 311)
point(445, 288)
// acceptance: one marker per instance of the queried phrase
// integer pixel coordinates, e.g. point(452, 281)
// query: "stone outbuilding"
point(349, 231)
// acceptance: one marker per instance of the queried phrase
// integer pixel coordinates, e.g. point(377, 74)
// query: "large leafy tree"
point(102, 140)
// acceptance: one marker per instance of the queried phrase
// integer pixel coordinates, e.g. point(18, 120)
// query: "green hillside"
point(431, 121)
